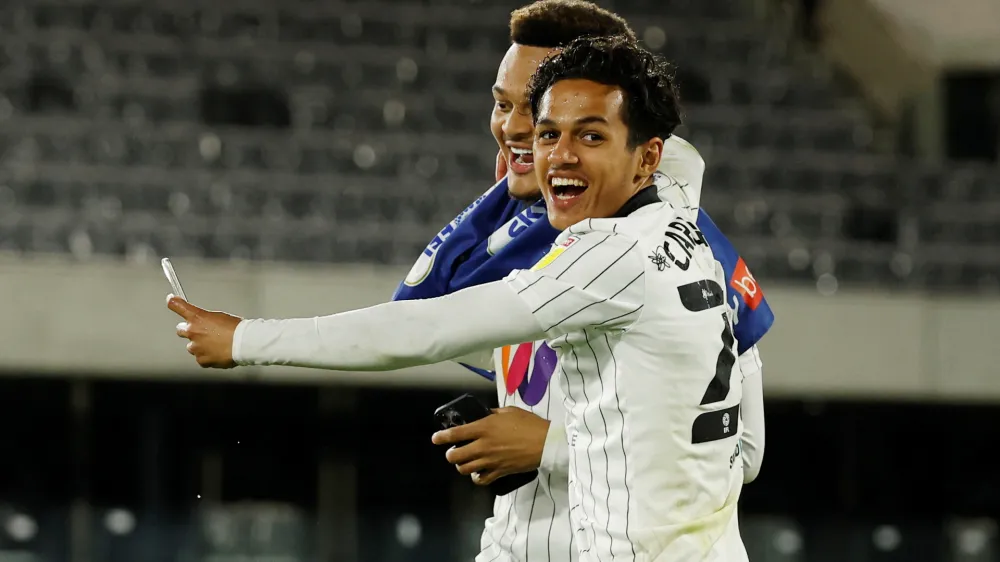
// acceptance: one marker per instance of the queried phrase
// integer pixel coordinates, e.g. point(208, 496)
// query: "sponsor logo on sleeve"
point(743, 282)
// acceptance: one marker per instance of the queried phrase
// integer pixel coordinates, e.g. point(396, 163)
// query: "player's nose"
point(517, 127)
point(563, 154)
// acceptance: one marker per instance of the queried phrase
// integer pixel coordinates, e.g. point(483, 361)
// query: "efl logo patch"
point(745, 284)
point(554, 253)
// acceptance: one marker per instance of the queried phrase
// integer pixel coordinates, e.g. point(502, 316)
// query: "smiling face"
point(510, 122)
point(583, 162)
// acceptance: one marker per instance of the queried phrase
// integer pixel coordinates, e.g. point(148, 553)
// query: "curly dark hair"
point(554, 23)
point(651, 107)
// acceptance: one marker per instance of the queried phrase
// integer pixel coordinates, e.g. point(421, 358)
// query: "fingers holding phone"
point(209, 333)
point(500, 448)
point(171, 275)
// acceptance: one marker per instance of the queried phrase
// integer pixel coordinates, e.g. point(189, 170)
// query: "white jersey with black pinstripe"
point(635, 309)
point(531, 524)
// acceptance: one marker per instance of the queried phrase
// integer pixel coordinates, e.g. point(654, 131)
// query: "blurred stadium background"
point(295, 156)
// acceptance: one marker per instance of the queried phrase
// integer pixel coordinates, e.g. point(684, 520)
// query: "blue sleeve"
point(753, 316)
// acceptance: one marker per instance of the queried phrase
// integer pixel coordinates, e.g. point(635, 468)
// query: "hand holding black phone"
point(467, 409)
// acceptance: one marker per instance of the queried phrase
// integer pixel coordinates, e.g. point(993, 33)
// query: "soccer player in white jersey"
point(634, 376)
point(630, 297)
point(532, 522)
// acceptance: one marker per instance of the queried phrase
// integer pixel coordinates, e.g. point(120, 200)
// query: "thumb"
point(183, 308)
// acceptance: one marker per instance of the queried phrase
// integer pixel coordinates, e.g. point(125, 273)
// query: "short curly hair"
point(554, 23)
point(651, 106)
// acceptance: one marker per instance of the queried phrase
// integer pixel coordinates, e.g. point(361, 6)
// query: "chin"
point(520, 193)
point(560, 222)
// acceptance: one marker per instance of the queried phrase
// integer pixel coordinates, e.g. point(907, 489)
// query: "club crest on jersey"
point(744, 283)
point(542, 363)
point(554, 253)
point(514, 226)
point(425, 262)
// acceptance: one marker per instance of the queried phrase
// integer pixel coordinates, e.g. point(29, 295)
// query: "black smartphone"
point(467, 409)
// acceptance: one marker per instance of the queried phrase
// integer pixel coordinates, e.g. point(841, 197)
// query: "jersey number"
point(712, 426)
point(718, 389)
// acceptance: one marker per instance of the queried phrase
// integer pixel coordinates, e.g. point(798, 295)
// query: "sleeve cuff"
point(555, 454)
point(238, 342)
point(750, 363)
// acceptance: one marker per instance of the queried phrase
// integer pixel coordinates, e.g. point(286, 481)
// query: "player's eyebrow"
point(591, 119)
point(578, 123)
point(499, 91)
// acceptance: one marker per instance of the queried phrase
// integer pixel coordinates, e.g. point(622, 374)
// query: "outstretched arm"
point(383, 337)
point(392, 335)
point(545, 302)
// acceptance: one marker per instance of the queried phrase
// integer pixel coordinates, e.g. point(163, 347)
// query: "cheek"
point(541, 155)
point(496, 127)
point(542, 164)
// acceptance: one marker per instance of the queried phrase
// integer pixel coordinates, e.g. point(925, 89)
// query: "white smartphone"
point(175, 283)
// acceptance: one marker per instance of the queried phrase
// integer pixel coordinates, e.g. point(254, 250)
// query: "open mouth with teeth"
point(567, 189)
point(522, 161)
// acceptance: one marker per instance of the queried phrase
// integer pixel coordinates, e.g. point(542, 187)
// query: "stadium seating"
point(350, 131)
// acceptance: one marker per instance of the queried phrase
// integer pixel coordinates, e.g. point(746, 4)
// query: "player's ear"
point(650, 153)
point(647, 156)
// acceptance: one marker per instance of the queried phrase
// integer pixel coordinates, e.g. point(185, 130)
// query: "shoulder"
point(644, 222)
point(657, 237)
point(587, 246)
point(667, 240)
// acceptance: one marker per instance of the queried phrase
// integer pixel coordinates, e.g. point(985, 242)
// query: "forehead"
point(569, 100)
point(518, 65)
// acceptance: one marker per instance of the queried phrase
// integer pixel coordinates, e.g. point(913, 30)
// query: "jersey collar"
point(643, 197)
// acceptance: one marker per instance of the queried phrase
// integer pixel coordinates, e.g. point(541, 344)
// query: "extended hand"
point(210, 333)
point(509, 442)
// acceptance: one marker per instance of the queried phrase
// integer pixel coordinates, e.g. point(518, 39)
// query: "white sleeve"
point(391, 335)
point(482, 359)
point(589, 280)
point(752, 412)
point(555, 454)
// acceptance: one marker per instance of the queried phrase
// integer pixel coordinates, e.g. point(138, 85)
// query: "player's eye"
point(547, 134)
point(592, 137)
point(502, 106)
